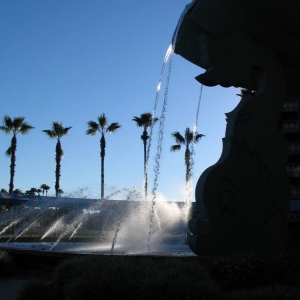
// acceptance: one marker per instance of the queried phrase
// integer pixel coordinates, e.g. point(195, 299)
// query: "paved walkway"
point(10, 286)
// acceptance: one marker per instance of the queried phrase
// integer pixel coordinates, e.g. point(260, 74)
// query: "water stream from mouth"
point(188, 187)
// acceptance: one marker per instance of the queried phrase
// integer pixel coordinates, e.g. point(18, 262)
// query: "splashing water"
point(57, 224)
point(117, 230)
point(76, 229)
point(27, 228)
point(9, 226)
point(70, 227)
point(32, 216)
point(125, 232)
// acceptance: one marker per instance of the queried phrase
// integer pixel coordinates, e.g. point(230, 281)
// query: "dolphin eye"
point(227, 203)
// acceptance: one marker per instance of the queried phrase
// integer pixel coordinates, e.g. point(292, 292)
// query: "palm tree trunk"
point(12, 163)
point(102, 155)
point(58, 166)
point(145, 170)
point(188, 173)
point(145, 137)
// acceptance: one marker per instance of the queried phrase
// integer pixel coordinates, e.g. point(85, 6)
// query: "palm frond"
point(175, 148)
point(145, 120)
point(8, 122)
point(17, 123)
point(50, 133)
point(197, 137)
point(113, 127)
point(8, 152)
point(93, 125)
point(188, 136)
point(102, 121)
point(57, 128)
point(7, 130)
point(138, 121)
point(25, 128)
point(93, 128)
point(91, 131)
point(65, 131)
point(178, 137)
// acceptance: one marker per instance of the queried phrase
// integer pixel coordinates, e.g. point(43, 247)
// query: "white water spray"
point(189, 182)
point(9, 226)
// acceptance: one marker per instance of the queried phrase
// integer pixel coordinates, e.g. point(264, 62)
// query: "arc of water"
point(9, 226)
point(69, 228)
point(114, 241)
point(158, 89)
point(189, 183)
point(169, 55)
point(76, 229)
point(79, 220)
point(58, 223)
point(27, 228)
point(159, 149)
point(117, 230)
point(26, 225)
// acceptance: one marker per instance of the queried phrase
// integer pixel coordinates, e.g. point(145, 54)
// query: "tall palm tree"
point(44, 187)
point(57, 132)
point(145, 120)
point(14, 126)
point(102, 126)
point(187, 140)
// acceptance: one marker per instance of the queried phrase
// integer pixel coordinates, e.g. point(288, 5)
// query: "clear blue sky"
point(72, 60)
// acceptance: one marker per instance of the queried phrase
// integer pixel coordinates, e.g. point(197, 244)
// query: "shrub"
point(249, 271)
point(7, 266)
point(35, 289)
point(291, 274)
point(276, 292)
point(113, 277)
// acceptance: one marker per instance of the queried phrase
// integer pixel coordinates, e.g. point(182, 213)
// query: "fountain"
point(244, 198)
point(79, 225)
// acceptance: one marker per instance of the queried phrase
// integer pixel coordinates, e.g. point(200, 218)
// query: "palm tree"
point(14, 126)
point(145, 120)
point(103, 128)
point(189, 138)
point(60, 191)
point(57, 132)
point(17, 191)
point(31, 192)
point(44, 187)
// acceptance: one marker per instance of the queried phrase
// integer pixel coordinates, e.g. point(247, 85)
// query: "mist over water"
point(117, 226)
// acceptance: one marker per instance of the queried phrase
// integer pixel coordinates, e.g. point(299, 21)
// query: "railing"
point(291, 106)
point(291, 126)
point(293, 170)
point(294, 147)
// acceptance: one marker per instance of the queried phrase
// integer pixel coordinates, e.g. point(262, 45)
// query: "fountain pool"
point(89, 226)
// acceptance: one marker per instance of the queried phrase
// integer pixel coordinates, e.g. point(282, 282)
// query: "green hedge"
point(231, 277)
point(7, 266)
